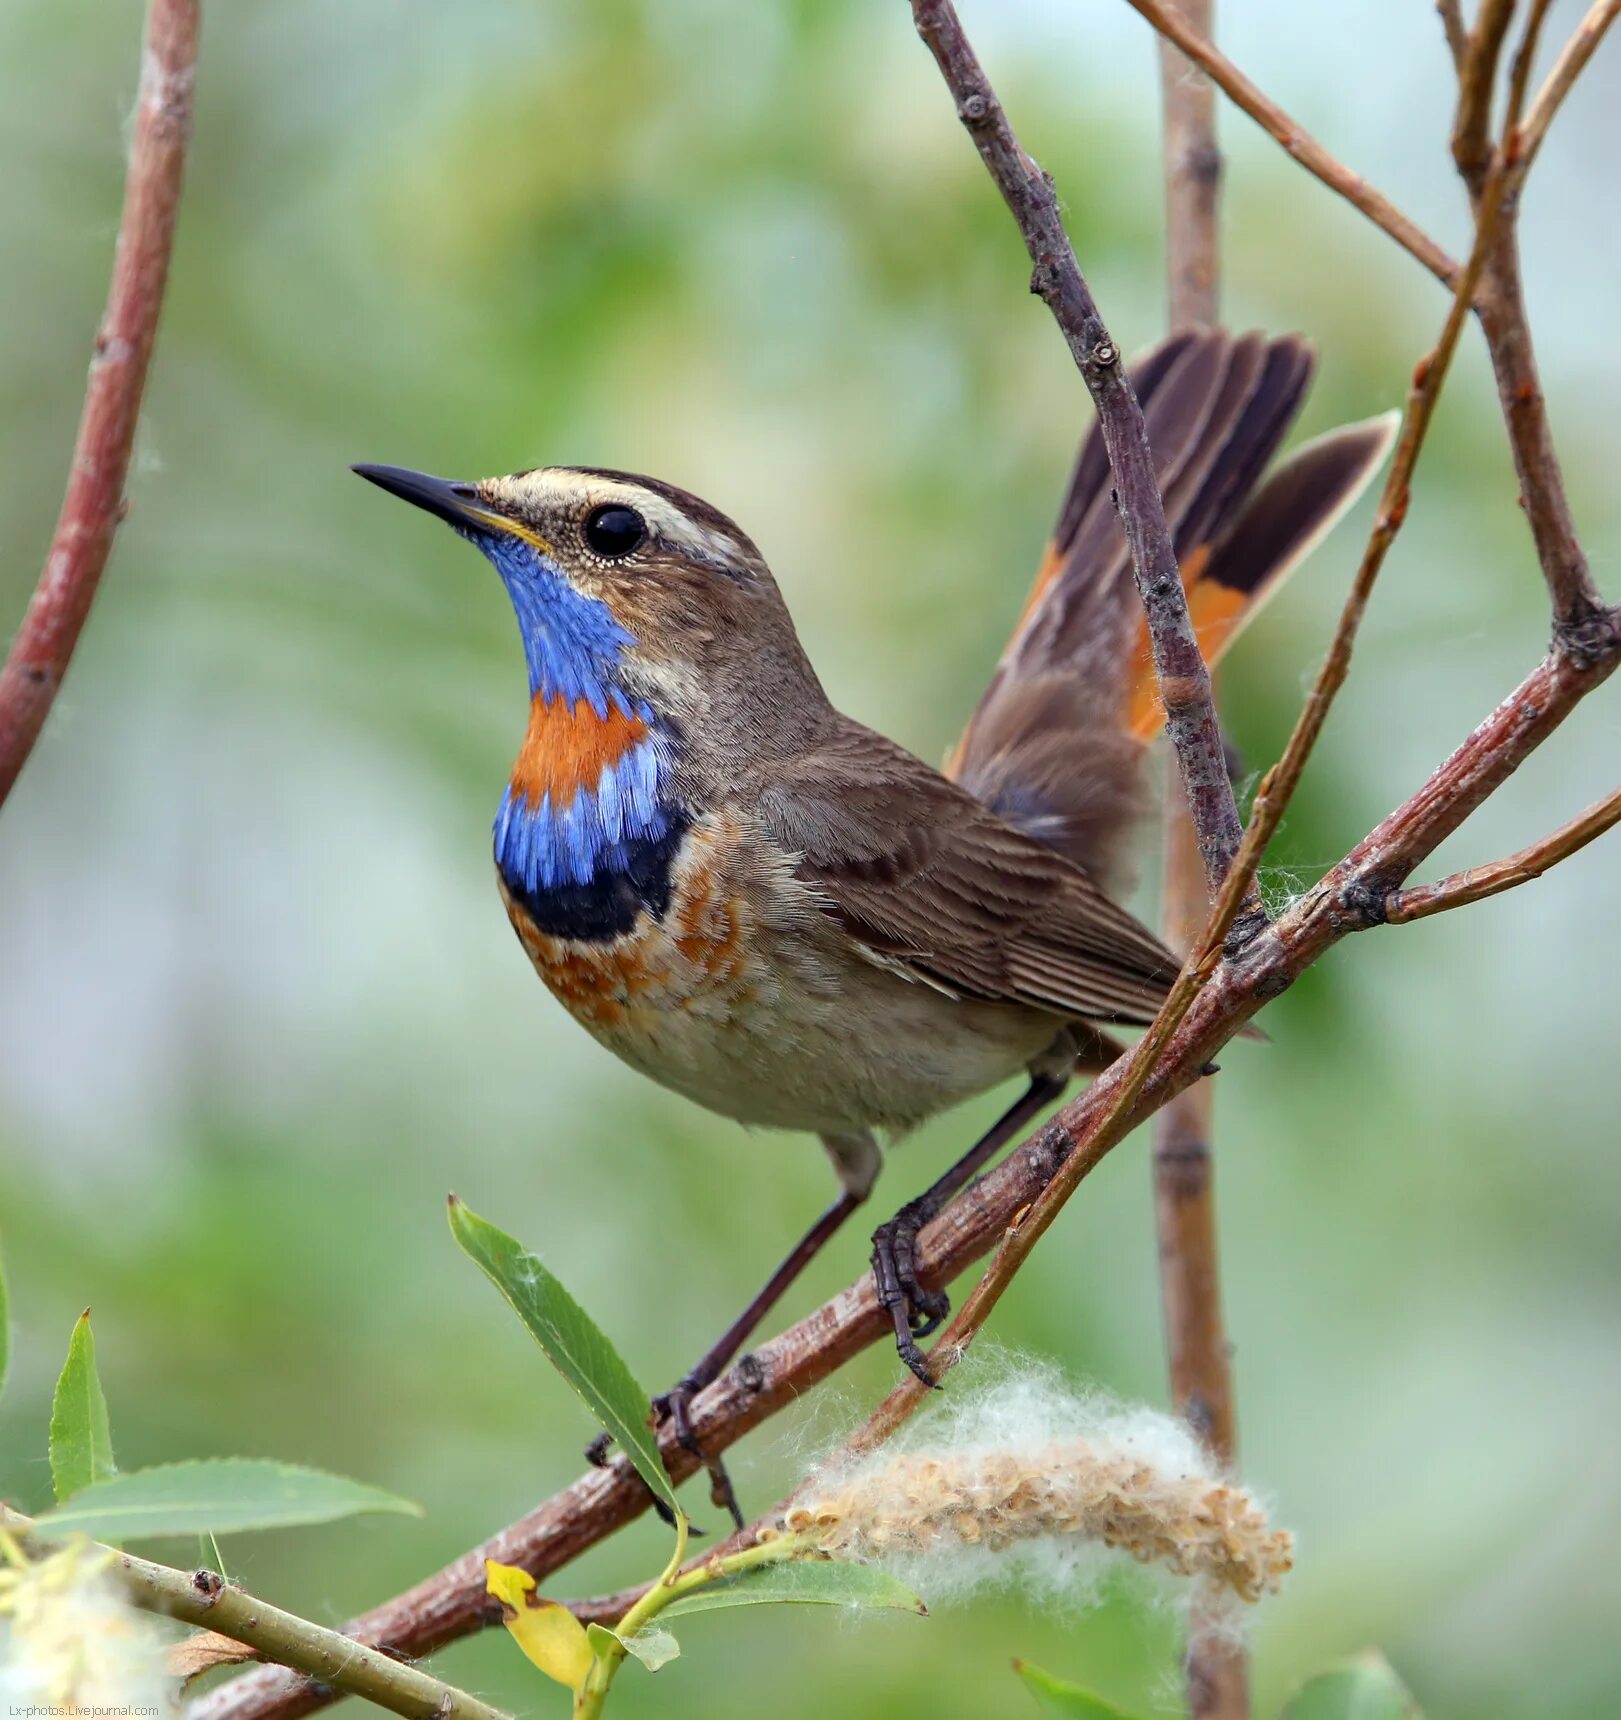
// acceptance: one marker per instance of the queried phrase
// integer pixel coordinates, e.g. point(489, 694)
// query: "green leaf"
point(1057, 1697)
point(81, 1440)
point(214, 1496)
point(1363, 1688)
point(816, 1582)
point(572, 1340)
point(653, 1646)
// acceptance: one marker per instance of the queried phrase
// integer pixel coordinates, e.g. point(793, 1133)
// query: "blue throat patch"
point(586, 866)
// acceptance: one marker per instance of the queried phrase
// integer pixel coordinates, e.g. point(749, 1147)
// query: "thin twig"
point(205, 1599)
point(1193, 170)
point(1279, 784)
point(94, 502)
point(1477, 80)
point(1476, 883)
point(1216, 1665)
point(1456, 33)
point(1184, 681)
point(1297, 141)
point(1566, 69)
point(1581, 621)
point(1519, 80)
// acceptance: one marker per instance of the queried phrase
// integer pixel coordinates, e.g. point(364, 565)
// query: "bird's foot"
point(915, 1311)
point(599, 1454)
point(675, 1406)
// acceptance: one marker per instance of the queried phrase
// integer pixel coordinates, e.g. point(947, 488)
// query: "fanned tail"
point(1056, 743)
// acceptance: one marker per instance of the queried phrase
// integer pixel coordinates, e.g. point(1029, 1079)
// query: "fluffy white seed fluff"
point(70, 1641)
point(1021, 1479)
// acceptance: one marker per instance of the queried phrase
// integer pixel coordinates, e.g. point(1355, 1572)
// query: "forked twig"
point(1476, 883)
point(1296, 140)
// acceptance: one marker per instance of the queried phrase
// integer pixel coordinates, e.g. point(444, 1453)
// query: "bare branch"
point(1297, 141)
point(1566, 69)
point(1192, 179)
point(1457, 35)
point(1581, 622)
point(1217, 1668)
point(94, 502)
point(1477, 80)
point(205, 1599)
point(1582, 625)
point(1476, 883)
point(1278, 785)
point(1184, 681)
point(1525, 56)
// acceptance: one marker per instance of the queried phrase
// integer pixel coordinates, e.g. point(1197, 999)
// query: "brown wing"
point(927, 879)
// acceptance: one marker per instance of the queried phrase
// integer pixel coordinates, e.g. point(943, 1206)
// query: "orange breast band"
point(568, 747)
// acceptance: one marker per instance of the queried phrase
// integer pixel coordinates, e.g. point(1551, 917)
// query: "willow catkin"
point(917, 1505)
point(1026, 1468)
point(70, 1643)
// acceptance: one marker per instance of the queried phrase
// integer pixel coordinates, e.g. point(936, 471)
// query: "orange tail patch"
point(1217, 612)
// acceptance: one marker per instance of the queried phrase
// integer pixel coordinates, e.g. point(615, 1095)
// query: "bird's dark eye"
point(614, 531)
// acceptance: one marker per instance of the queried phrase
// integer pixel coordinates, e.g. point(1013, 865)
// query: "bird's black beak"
point(454, 502)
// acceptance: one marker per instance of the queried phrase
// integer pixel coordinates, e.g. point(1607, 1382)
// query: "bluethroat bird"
point(784, 916)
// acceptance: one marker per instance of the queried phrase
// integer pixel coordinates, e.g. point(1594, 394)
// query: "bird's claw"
point(916, 1312)
point(599, 1454)
point(675, 1407)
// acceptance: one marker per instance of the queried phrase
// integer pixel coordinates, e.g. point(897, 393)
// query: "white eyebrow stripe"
point(671, 523)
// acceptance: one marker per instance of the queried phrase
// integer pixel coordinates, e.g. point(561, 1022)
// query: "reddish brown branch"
point(94, 502)
point(1476, 883)
point(1452, 23)
point(1525, 56)
point(1582, 625)
point(1296, 140)
point(1184, 681)
point(1216, 1665)
point(1477, 81)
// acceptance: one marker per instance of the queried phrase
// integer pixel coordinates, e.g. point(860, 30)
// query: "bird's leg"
point(675, 1404)
point(856, 1160)
point(916, 1311)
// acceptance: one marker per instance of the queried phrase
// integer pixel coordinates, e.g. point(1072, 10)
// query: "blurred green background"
point(259, 1006)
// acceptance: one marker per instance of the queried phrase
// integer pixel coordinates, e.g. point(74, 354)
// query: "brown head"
point(627, 586)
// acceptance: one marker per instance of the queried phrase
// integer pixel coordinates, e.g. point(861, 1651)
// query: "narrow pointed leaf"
point(1365, 1688)
point(572, 1340)
point(81, 1439)
point(214, 1496)
point(548, 1633)
point(815, 1582)
point(1054, 1696)
point(653, 1646)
